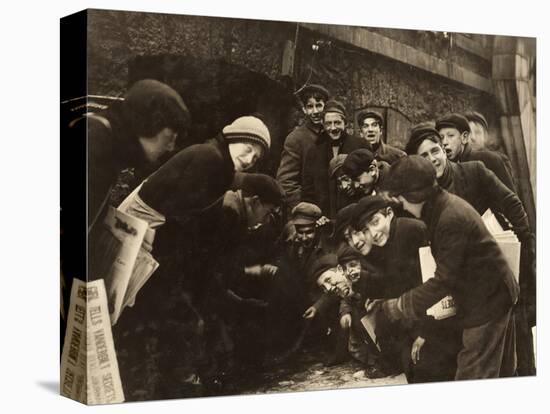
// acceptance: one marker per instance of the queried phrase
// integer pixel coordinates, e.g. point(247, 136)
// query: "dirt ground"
point(308, 373)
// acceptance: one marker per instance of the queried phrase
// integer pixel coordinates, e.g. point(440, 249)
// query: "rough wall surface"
point(117, 37)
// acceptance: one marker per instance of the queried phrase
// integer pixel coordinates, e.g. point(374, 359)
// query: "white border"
point(30, 197)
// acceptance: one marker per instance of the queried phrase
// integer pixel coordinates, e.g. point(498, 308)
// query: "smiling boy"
point(318, 187)
point(290, 173)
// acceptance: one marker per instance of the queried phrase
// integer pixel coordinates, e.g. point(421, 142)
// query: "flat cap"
point(335, 106)
point(345, 254)
point(454, 120)
point(343, 220)
point(418, 134)
point(305, 213)
point(413, 177)
point(369, 114)
point(262, 185)
point(313, 90)
point(366, 208)
point(319, 265)
point(473, 116)
point(357, 162)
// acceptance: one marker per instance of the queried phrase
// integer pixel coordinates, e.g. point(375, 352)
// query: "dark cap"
point(335, 164)
point(369, 114)
point(313, 90)
point(346, 253)
point(357, 162)
point(150, 106)
point(420, 132)
point(343, 220)
point(318, 266)
point(453, 120)
point(413, 177)
point(335, 106)
point(366, 208)
point(264, 186)
point(473, 116)
point(305, 213)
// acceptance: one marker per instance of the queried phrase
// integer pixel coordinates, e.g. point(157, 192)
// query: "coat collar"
point(315, 128)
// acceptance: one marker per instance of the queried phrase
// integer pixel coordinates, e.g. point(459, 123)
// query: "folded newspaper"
point(446, 307)
point(121, 256)
point(89, 367)
point(507, 241)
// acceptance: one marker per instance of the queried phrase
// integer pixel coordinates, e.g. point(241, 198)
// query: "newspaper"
point(89, 367)
point(369, 323)
point(446, 307)
point(507, 241)
point(120, 242)
point(144, 268)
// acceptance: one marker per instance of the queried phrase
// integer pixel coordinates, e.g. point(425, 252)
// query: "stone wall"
point(358, 77)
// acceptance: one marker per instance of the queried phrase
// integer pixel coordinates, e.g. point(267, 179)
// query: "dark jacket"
point(493, 161)
point(317, 187)
point(111, 148)
point(476, 184)
point(191, 181)
point(470, 265)
point(291, 168)
point(388, 153)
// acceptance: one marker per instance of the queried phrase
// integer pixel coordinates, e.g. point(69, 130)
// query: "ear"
point(340, 268)
point(304, 109)
point(389, 212)
point(465, 137)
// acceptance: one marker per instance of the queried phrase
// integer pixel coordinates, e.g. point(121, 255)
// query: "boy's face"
point(435, 154)
point(305, 234)
point(379, 227)
point(161, 144)
point(352, 270)
point(365, 182)
point(313, 108)
point(371, 130)
point(453, 141)
point(334, 281)
point(345, 184)
point(261, 212)
point(334, 124)
point(359, 240)
point(245, 154)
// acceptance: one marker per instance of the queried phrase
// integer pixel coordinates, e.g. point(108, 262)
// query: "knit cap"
point(248, 128)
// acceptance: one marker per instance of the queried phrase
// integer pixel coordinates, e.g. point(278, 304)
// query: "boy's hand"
point(310, 313)
point(415, 349)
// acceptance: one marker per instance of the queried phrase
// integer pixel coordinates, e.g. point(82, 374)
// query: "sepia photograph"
point(269, 206)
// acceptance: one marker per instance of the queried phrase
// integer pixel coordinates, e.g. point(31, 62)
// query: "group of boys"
point(385, 205)
point(347, 258)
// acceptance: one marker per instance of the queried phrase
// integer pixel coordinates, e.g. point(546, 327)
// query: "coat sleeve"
point(504, 201)
point(289, 174)
point(449, 248)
